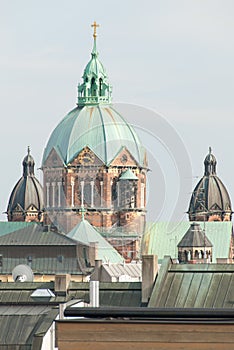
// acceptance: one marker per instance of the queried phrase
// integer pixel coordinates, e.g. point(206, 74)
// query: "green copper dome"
point(101, 128)
point(94, 123)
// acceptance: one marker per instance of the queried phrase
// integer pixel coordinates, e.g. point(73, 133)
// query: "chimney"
point(94, 293)
point(93, 252)
point(149, 272)
point(61, 284)
point(96, 275)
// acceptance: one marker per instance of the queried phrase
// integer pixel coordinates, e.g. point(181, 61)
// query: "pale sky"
point(171, 56)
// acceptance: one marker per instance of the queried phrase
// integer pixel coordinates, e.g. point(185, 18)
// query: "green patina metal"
point(94, 123)
point(162, 238)
point(95, 88)
point(128, 175)
point(101, 128)
point(85, 233)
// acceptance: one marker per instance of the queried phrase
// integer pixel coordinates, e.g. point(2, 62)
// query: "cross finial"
point(28, 150)
point(95, 26)
point(210, 150)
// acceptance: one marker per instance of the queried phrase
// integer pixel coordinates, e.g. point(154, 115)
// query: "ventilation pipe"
point(94, 293)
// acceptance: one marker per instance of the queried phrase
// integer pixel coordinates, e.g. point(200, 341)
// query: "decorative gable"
point(124, 158)
point(86, 158)
point(215, 207)
point(53, 160)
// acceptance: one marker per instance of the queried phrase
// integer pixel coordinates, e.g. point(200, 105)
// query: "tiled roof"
point(193, 286)
point(162, 238)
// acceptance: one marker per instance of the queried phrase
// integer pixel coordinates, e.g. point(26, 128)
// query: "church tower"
point(26, 199)
point(95, 159)
point(210, 200)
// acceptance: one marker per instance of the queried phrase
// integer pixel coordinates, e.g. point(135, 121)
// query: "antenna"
point(22, 273)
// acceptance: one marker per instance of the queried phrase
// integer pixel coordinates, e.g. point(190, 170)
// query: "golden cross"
point(95, 25)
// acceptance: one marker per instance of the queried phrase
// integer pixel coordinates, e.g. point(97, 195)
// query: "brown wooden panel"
point(144, 333)
point(141, 346)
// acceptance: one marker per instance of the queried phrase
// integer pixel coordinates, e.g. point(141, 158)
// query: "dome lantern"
point(28, 164)
point(210, 164)
point(95, 88)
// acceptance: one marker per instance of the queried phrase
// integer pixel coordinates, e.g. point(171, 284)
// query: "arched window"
point(93, 87)
point(100, 87)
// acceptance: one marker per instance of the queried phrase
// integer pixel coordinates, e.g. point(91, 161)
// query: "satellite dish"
point(22, 273)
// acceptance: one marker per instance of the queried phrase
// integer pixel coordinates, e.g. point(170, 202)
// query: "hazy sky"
point(172, 56)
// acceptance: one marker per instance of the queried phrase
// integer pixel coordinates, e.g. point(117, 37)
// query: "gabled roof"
point(8, 227)
point(162, 238)
point(131, 271)
point(60, 255)
point(195, 237)
point(193, 286)
point(23, 326)
point(84, 232)
point(128, 175)
point(35, 234)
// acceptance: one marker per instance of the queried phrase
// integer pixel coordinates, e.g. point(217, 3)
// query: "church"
point(94, 173)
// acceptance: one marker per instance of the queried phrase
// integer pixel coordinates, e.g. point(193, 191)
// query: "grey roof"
point(111, 294)
point(8, 227)
point(195, 237)
point(22, 325)
point(117, 270)
point(35, 234)
point(43, 265)
point(193, 286)
point(84, 232)
point(46, 252)
point(24, 319)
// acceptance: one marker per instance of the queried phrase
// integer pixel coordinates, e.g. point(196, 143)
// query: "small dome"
point(210, 199)
point(27, 194)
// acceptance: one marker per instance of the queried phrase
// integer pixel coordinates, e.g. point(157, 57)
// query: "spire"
point(94, 51)
point(210, 164)
point(95, 88)
point(28, 164)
